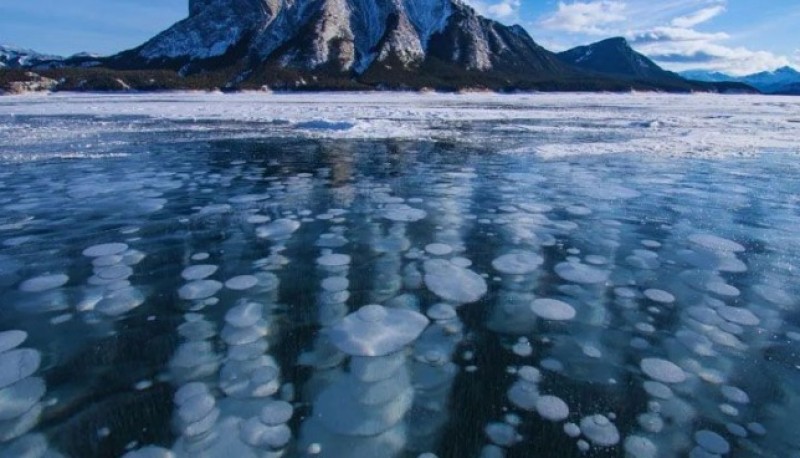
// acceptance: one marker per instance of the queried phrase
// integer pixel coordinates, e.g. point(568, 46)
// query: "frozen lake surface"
point(399, 275)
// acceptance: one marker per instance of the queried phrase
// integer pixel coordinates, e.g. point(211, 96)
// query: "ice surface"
point(700, 125)
point(657, 292)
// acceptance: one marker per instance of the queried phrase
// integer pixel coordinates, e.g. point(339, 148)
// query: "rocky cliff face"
point(341, 36)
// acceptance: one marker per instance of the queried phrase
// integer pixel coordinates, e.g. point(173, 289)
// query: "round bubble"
point(518, 263)
point(712, 442)
point(44, 283)
point(18, 364)
point(552, 408)
point(660, 296)
point(11, 339)
point(199, 272)
point(200, 289)
point(375, 330)
point(580, 273)
point(600, 431)
point(662, 370)
point(276, 413)
point(241, 283)
point(106, 249)
point(453, 283)
point(553, 310)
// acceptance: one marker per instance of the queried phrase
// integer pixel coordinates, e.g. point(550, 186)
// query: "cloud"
point(671, 32)
point(590, 18)
point(504, 10)
point(698, 17)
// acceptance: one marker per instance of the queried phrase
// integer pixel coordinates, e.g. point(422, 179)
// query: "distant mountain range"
point(784, 80)
point(353, 44)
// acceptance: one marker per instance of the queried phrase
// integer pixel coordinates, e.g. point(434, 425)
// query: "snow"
point(552, 125)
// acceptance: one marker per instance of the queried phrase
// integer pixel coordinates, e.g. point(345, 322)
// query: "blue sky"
point(737, 36)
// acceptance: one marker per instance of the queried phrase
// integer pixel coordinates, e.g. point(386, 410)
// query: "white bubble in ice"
point(244, 315)
point(241, 282)
point(403, 213)
point(276, 413)
point(735, 394)
point(452, 283)
point(712, 442)
point(738, 315)
point(572, 430)
point(10, 340)
point(20, 397)
point(334, 260)
point(200, 289)
point(196, 408)
point(716, 244)
point(552, 408)
point(188, 391)
point(720, 288)
point(107, 261)
point(120, 301)
point(736, 430)
point(658, 390)
point(521, 263)
point(112, 273)
point(198, 257)
point(375, 330)
point(442, 312)
point(599, 430)
point(640, 447)
point(757, 428)
point(105, 249)
point(439, 249)
point(580, 273)
point(662, 370)
point(553, 309)
point(660, 296)
point(529, 374)
point(278, 229)
point(502, 434)
point(199, 272)
point(524, 394)
point(43, 283)
point(335, 284)
point(18, 364)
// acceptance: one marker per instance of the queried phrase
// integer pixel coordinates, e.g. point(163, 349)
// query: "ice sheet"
point(551, 125)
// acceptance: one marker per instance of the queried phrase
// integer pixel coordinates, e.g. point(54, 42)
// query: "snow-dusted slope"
point(13, 57)
point(344, 36)
point(776, 81)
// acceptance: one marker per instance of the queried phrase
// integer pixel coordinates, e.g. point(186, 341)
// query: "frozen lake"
point(398, 275)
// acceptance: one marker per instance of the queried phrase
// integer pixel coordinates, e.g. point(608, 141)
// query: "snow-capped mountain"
point(341, 37)
point(782, 80)
point(614, 56)
point(13, 57)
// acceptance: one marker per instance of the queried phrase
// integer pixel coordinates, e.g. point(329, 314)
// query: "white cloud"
point(590, 18)
point(674, 33)
point(504, 10)
point(698, 17)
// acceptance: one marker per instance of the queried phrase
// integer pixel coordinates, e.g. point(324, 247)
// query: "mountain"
point(784, 80)
point(410, 42)
point(13, 57)
point(358, 44)
point(614, 56)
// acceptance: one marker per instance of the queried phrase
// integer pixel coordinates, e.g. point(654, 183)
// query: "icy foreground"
point(182, 278)
point(548, 125)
